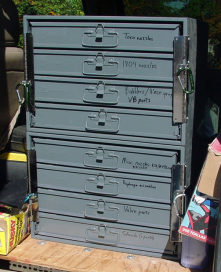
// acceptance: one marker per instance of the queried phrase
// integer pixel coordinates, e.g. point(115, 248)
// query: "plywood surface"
point(76, 259)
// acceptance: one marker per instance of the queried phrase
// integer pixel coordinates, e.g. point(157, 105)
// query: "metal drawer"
point(146, 241)
point(120, 65)
point(108, 35)
point(113, 158)
point(124, 122)
point(104, 183)
point(105, 208)
point(130, 94)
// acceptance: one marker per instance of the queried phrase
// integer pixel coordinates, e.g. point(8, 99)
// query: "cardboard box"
point(13, 228)
point(210, 180)
point(200, 220)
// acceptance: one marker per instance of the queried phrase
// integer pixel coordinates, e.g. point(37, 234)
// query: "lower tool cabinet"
point(110, 112)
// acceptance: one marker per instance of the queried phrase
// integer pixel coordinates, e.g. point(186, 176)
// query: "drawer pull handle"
point(100, 181)
point(101, 159)
point(99, 32)
point(102, 235)
point(100, 37)
point(100, 185)
point(102, 231)
point(100, 154)
point(102, 117)
point(101, 205)
point(103, 122)
point(100, 66)
point(100, 88)
point(101, 94)
point(101, 211)
point(99, 61)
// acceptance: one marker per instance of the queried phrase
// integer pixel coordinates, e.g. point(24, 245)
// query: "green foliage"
point(149, 8)
point(208, 11)
point(46, 7)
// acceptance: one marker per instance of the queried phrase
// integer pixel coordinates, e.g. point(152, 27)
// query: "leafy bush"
point(46, 7)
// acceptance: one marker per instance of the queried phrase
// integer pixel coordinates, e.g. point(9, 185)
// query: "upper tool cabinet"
point(110, 111)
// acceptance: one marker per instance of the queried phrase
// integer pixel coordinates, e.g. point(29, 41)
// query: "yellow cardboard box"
point(13, 229)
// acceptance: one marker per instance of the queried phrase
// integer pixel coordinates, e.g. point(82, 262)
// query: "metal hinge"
point(32, 120)
point(181, 66)
point(177, 132)
point(29, 71)
point(36, 228)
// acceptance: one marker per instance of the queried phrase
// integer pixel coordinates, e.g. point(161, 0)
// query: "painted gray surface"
point(105, 120)
point(104, 208)
point(108, 234)
point(114, 158)
point(119, 65)
point(124, 36)
point(90, 181)
point(103, 130)
point(129, 94)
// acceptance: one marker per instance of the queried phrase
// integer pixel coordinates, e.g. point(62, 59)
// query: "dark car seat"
point(11, 68)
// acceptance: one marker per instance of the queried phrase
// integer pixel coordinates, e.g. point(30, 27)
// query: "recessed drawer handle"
point(102, 235)
point(101, 94)
point(102, 211)
point(100, 37)
point(100, 66)
point(101, 185)
point(103, 122)
point(101, 159)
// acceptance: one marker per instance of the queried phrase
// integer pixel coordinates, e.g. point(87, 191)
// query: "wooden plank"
point(75, 259)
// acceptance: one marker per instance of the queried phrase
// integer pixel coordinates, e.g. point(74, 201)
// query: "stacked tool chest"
point(109, 129)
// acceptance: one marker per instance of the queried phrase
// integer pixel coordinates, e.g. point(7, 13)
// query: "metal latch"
point(188, 72)
point(101, 206)
point(28, 97)
point(99, 32)
point(102, 117)
point(100, 154)
point(100, 88)
point(99, 61)
point(102, 231)
point(26, 84)
point(100, 180)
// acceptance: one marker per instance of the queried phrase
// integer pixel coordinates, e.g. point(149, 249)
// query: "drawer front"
point(144, 95)
point(121, 65)
point(110, 235)
point(114, 158)
point(104, 209)
point(105, 120)
point(104, 183)
point(115, 36)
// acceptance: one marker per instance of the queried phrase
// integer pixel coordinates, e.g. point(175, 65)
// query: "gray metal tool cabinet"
point(110, 114)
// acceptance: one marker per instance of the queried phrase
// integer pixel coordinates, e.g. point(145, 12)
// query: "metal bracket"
point(177, 201)
point(29, 71)
point(36, 224)
point(32, 121)
point(181, 48)
point(32, 170)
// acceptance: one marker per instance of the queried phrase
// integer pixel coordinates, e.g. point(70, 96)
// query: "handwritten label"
point(137, 235)
point(135, 185)
point(144, 165)
point(143, 95)
point(134, 64)
point(129, 209)
point(128, 36)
